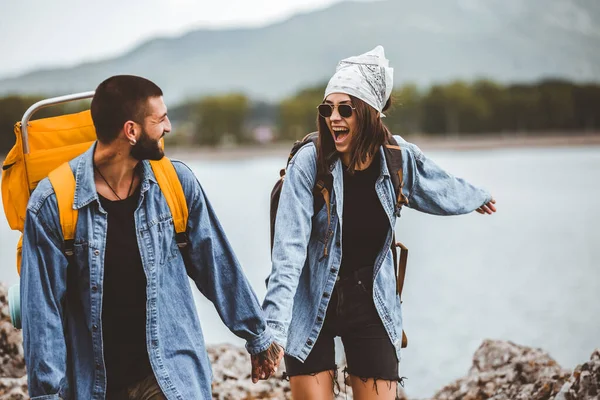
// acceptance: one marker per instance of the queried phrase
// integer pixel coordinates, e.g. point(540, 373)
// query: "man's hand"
point(487, 208)
point(265, 364)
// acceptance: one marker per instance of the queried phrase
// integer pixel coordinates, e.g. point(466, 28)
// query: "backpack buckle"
point(182, 239)
point(69, 247)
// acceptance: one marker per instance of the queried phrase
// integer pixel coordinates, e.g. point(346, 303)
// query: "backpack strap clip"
point(182, 239)
point(69, 247)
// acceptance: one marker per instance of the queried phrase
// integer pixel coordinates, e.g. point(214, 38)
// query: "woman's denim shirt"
point(303, 275)
point(63, 339)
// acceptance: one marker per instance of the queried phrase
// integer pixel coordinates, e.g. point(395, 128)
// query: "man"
point(126, 326)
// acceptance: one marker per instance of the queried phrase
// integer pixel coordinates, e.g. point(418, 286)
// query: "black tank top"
point(365, 223)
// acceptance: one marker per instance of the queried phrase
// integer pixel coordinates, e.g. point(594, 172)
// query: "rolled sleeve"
point(260, 343)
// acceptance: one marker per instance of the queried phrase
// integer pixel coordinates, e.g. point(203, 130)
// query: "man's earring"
point(132, 142)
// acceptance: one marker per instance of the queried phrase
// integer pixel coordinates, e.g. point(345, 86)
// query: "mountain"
point(427, 41)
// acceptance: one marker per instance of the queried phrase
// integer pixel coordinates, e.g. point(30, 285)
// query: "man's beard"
point(147, 148)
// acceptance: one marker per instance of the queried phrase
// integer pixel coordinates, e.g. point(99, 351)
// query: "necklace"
point(110, 187)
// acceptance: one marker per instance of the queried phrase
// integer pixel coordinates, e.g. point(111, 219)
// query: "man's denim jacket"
point(303, 276)
point(63, 339)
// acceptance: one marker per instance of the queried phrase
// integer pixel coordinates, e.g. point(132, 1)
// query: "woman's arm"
point(293, 227)
point(432, 190)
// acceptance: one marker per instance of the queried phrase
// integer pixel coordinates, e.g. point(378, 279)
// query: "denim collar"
point(85, 187)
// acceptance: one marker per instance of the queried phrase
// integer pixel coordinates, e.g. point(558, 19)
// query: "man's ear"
point(130, 131)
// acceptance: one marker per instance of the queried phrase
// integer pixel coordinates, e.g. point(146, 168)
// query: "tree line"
point(480, 107)
point(456, 108)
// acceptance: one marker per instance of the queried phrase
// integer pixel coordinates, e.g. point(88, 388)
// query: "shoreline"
point(425, 142)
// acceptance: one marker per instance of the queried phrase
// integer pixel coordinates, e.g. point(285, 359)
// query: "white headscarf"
point(367, 76)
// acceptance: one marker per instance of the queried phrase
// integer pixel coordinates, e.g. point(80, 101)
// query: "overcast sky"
point(42, 33)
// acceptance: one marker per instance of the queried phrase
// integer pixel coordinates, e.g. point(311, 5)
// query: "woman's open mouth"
point(340, 134)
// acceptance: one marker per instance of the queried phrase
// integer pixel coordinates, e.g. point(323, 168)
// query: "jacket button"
point(309, 342)
point(98, 366)
point(326, 295)
point(333, 270)
point(94, 288)
point(338, 244)
point(319, 319)
point(94, 327)
point(96, 252)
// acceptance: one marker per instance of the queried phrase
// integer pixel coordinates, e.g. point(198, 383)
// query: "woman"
point(333, 272)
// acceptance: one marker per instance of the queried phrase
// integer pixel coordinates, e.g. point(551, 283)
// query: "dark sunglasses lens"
point(345, 110)
point(325, 110)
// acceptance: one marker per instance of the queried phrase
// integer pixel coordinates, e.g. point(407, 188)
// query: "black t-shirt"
point(366, 224)
point(124, 298)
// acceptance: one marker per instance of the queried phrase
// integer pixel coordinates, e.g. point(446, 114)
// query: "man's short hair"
point(119, 99)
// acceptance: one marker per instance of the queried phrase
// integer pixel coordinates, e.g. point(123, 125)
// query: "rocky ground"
point(13, 381)
point(501, 370)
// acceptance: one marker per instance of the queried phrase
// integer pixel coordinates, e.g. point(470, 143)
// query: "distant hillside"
point(427, 41)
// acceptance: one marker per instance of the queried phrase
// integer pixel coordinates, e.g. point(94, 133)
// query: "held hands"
point(265, 364)
point(487, 208)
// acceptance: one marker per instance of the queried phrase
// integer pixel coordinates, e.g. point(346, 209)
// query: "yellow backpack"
point(43, 148)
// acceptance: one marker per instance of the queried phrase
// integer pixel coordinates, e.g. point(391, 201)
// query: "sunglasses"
point(345, 110)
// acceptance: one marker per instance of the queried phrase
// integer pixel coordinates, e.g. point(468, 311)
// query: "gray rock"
point(584, 383)
point(506, 371)
point(13, 381)
point(232, 377)
point(13, 388)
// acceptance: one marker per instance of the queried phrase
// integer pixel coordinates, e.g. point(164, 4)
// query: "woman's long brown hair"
point(370, 134)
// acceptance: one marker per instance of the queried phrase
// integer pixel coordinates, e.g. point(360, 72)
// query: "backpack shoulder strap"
point(393, 154)
point(63, 182)
point(322, 188)
point(401, 274)
point(401, 266)
point(323, 184)
point(169, 183)
point(393, 157)
point(311, 137)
